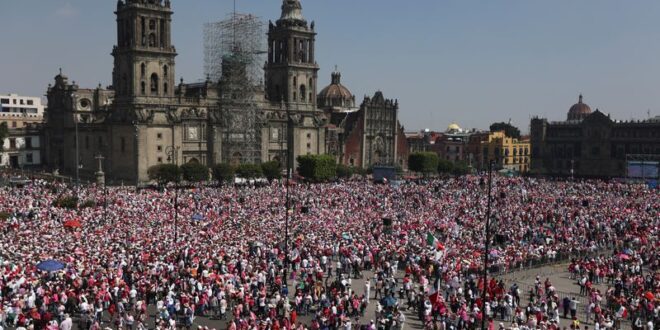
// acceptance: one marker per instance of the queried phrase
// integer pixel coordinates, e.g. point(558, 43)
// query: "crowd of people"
point(237, 257)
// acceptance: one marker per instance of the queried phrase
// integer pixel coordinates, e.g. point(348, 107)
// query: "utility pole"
point(486, 248)
point(74, 97)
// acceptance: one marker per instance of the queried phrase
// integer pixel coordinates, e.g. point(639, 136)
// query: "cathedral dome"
point(336, 95)
point(453, 127)
point(579, 110)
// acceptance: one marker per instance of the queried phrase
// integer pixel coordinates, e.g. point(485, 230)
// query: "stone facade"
point(144, 119)
point(590, 144)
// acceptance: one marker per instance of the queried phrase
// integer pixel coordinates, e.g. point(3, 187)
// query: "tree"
point(195, 172)
point(509, 130)
point(445, 166)
point(224, 173)
point(461, 168)
point(271, 170)
point(4, 131)
point(317, 168)
point(423, 162)
point(164, 173)
point(249, 171)
point(344, 171)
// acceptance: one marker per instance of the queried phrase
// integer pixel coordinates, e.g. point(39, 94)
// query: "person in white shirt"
point(67, 324)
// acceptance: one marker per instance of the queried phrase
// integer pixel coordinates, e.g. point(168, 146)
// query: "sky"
point(473, 62)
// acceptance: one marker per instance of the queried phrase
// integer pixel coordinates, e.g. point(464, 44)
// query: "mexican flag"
point(622, 313)
point(434, 296)
point(432, 241)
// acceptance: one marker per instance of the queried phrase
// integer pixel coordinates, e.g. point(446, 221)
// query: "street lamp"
point(288, 197)
point(172, 156)
point(486, 247)
point(74, 97)
point(101, 179)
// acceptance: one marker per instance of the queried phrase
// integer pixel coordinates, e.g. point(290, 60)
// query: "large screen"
point(640, 169)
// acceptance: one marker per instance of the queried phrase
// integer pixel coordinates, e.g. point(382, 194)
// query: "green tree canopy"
point(509, 130)
point(4, 131)
point(271, 170)
point(445, 166)
point(224, 173)
point(249, 171)
point(195, 172)
point(344, 171)
point(317, 168)
point(461, 168)
point(423, 162)
point(164, 173)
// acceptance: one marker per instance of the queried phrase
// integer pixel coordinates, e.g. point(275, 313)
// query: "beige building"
point(507, 152)
point(146, 118)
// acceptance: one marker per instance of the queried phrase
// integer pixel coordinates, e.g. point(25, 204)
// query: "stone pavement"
point(557, 274)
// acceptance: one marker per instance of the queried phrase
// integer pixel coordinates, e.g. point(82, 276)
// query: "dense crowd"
point(132, 265)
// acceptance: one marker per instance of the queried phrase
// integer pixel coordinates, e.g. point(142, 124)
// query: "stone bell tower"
point(144, 55)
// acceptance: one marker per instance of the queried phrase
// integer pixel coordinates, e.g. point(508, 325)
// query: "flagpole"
point(486, 247)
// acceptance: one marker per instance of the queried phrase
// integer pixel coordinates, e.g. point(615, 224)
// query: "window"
point(152, 25)
point(123, 144)
point(12, 143)
point(159, 148)
point(28, 143)
point(30, 102)
point(165, 88)
point(28, 158)
point(166, 71)
point(159, 136)
point(14, 101)
point(143, 70)
point(13, 124)
point(303, 91)
point(160, 160)
point(22, 102)
point(309, 135)
point(152, 40)
point(154, 84)
point(4, 101)
point(143, 88)
point(309, 146)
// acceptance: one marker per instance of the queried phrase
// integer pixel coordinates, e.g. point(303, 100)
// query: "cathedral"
point(147, 118)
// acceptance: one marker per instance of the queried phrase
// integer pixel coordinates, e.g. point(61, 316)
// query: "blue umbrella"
point(50, 265)
point(198, 217)
point(388, 301)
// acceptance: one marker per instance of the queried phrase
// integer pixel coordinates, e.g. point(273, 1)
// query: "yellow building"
point(508, 153)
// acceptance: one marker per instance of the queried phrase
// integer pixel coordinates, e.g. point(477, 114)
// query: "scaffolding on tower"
point(233, 57)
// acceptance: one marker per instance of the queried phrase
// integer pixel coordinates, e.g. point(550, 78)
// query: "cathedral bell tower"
point(144, 56)
point(291, 69)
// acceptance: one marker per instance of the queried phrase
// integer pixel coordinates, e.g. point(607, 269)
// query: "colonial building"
point(591, 144)
point(507, 152)
point(22, 147)
point(19, 111)
point(368, 136)
point(145, 118)
point(23, 116)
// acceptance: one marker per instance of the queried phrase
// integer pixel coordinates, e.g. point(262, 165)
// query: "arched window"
point(166, 70)
point(143, 69)
point(152, 25)
point(165, 88)
point(143, 88)
point(303, 92)
point(295, 81)
point(154, 84)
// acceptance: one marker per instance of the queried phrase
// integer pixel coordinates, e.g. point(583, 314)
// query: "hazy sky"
point(469, 61)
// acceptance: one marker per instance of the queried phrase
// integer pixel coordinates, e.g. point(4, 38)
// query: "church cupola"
point(292, 12)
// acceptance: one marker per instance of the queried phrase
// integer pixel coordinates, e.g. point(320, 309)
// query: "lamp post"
point(172, 156)
point(288, 197)
point(486, 247)
point(74, 98)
